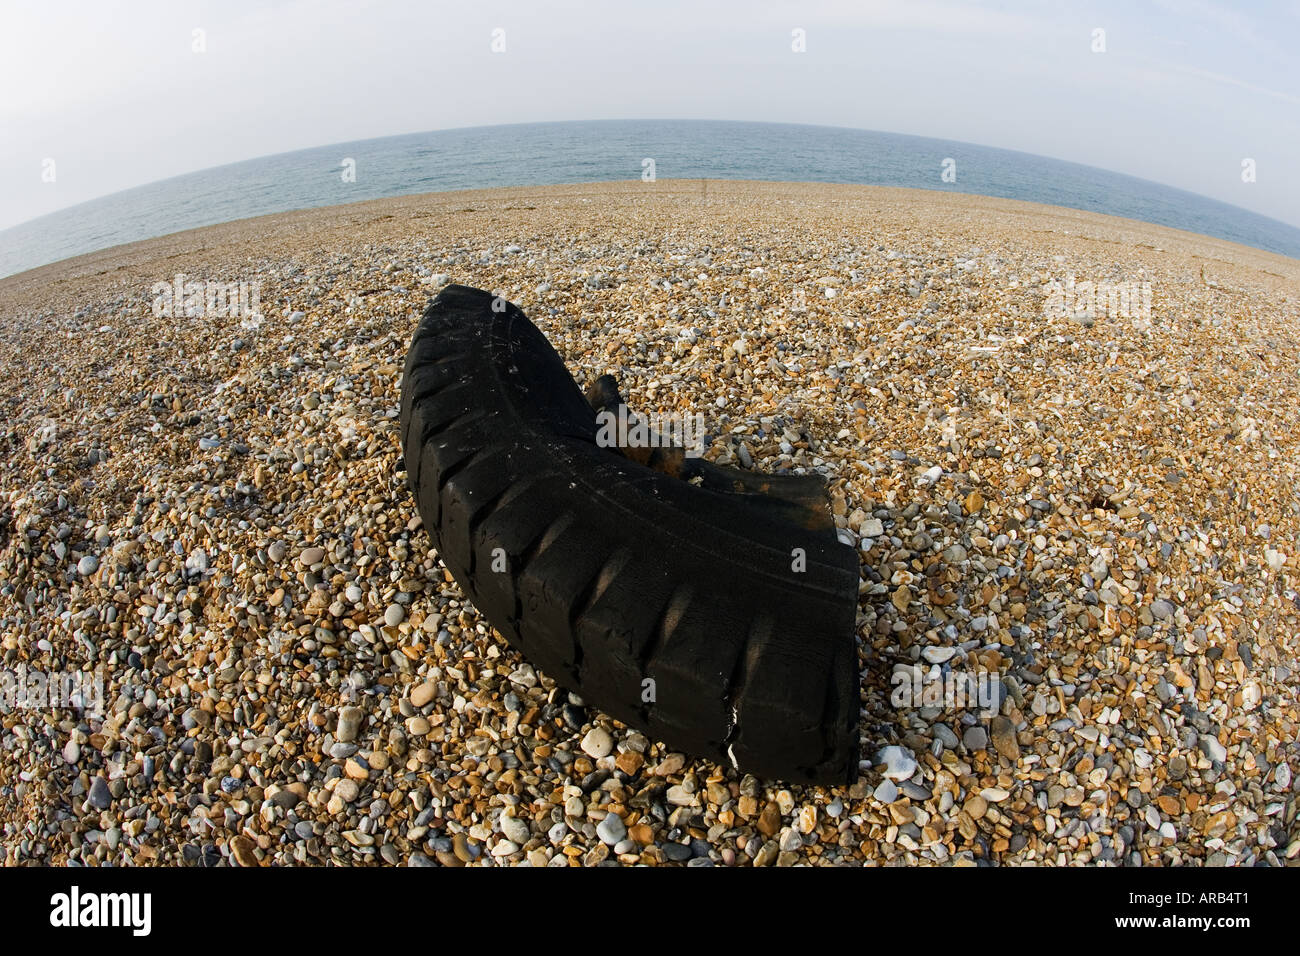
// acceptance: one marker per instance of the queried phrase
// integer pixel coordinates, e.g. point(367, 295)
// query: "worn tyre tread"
point(616, 574)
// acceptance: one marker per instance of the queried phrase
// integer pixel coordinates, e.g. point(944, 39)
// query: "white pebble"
point(899, 762)
point(597, 743)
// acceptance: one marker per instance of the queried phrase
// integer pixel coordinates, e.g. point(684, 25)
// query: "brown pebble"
point(1003, 734)
point(241, 848)
point(629, 761)
point(769, 821)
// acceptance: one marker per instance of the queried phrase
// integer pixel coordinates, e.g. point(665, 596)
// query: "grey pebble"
point(915, 790)
point(677, 852)
point(944, 734)
point(100, 796)
point(611, 830)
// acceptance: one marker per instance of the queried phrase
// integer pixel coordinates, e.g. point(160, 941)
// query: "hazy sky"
point(117, 96)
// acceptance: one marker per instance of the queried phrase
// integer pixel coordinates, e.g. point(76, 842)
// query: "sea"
point(575, 152)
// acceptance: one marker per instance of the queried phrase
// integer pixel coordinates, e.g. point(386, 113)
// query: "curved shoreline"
point(931, 204)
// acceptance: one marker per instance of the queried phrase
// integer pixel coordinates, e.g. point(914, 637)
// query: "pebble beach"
point(1086, 500)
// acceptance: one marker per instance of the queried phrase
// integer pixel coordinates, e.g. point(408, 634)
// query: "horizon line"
point(454, 129)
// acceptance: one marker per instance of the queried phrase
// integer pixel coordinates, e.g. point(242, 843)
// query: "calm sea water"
point(546, 153)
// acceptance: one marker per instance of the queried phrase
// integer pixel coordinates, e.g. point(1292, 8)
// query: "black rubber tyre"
point(616, 575)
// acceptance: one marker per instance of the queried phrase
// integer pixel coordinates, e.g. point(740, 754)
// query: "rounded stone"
point(611, 830)
point(597, 743)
